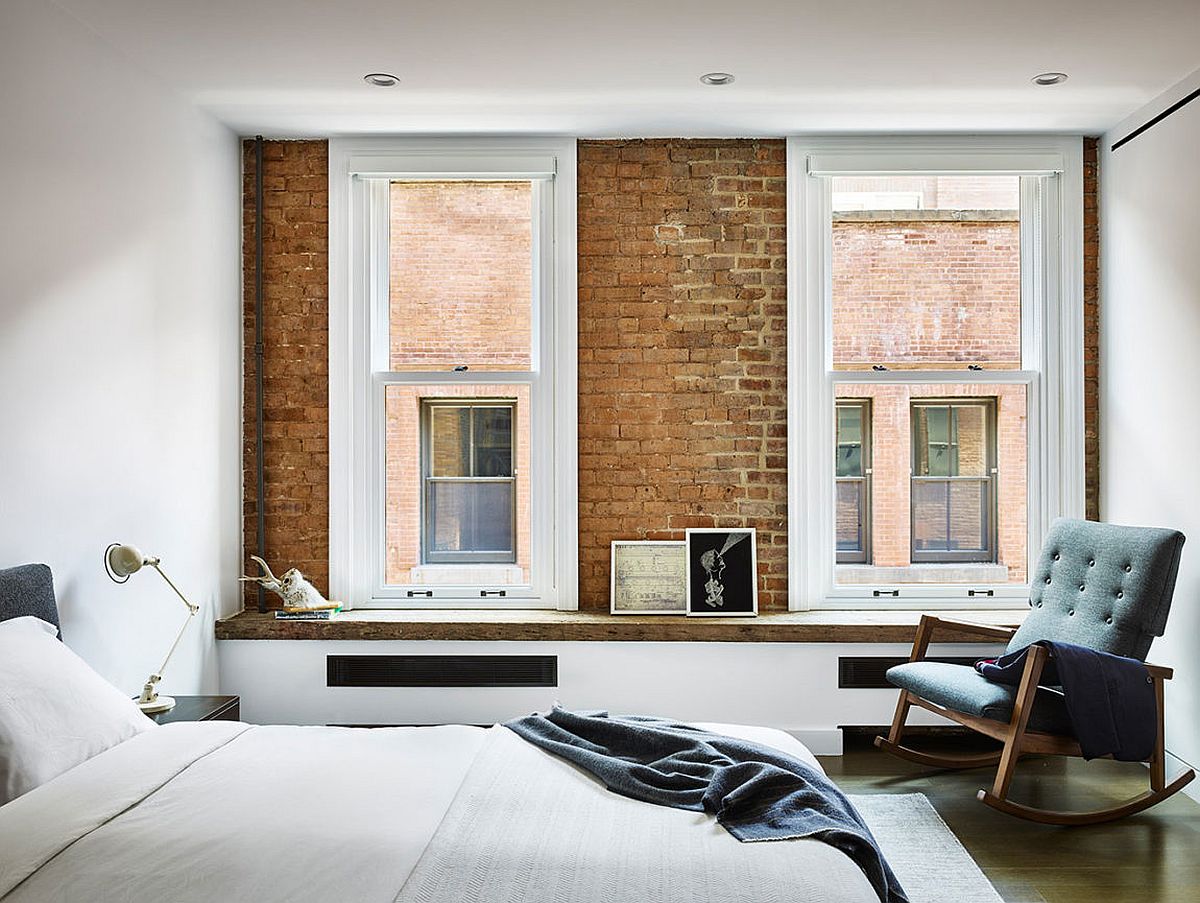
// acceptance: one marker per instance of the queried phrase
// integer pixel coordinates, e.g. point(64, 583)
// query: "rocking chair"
point(1097, 585)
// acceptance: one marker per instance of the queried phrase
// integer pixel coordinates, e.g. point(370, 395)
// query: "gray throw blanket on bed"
point(756, 793)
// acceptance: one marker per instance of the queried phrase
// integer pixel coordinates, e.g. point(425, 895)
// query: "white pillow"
point(55, 711)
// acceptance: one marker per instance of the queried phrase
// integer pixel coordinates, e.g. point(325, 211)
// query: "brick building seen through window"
point(931, 479)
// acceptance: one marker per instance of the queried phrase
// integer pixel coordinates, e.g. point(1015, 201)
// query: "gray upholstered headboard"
point(28, 589)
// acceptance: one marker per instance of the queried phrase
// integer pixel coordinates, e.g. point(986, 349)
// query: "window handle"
point(980, 592)
point(886, 592)
point(492, 592)
point(427, 593)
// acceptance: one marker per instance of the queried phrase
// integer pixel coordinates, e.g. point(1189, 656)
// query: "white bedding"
point(200, 812)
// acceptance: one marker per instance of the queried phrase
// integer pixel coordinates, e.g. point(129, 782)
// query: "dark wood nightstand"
point(202, 708)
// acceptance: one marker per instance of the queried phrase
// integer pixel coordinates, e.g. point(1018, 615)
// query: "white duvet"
point(200, 812)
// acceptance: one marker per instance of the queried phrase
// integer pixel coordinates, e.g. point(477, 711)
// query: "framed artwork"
point(722, 572)
point(648, 577)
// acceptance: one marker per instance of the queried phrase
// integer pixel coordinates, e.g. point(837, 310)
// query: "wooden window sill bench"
point(485, 625)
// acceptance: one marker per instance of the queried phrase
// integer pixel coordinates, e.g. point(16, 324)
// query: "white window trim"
point(1052, 326)
point(355, 457)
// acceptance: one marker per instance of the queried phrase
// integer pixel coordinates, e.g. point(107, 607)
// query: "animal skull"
point(297, 593)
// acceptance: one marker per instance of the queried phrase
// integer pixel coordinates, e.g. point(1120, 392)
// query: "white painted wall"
point(1149, 358)
point(119, 343)
point(788, 686)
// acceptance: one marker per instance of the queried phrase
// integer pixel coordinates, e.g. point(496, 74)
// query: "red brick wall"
point(926, 292)
point(682, 371)
point(461, 261)
point(295, 362)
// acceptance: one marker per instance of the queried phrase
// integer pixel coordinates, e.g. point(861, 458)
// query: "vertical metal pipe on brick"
point(261, 492)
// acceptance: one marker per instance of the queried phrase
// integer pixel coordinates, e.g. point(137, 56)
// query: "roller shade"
point(441, 165)
point(902, 163)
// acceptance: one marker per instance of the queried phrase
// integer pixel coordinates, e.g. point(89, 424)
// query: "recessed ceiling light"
point(381, 79)
point(1050, 78)
point(716, 78)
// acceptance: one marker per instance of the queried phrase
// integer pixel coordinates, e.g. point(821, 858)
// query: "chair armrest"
point(929, 623)
point(989, 631)
point(1159, 671)
point(1156, 671)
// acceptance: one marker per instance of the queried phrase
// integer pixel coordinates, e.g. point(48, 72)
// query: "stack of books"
point(307, 614)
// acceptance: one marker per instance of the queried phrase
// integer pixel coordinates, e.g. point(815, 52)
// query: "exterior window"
point(935, 324)
point(453, 341)
point(953, 480)
point(853, 468)
point(470, 498)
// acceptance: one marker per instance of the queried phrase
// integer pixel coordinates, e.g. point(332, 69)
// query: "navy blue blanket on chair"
point(756, 793)
point(1110, 699)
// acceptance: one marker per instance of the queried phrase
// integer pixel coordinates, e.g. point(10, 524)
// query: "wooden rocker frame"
point(1018, 740)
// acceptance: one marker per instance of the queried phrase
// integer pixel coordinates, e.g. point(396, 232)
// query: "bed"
point(220, 811)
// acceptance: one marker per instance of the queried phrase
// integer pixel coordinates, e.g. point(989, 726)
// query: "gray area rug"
point(933, 867)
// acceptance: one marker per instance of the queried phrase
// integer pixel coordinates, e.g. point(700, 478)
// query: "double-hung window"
point(935, 365)
point(452, 373)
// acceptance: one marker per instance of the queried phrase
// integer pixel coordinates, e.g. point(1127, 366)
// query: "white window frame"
point(1051, 339)
point(359, 172)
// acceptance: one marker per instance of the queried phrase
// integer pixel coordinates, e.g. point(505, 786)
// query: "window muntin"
point(853, 481)
point(469, 503)
point(953, 483)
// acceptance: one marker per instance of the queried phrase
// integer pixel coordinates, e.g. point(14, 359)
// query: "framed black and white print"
point(722, 572)
point(648, 578)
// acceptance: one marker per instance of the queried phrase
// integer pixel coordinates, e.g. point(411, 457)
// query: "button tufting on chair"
point(1047, 581)
point(1071, 613)
point(1128, 568)
point(1091, 562)
point(1108, 620)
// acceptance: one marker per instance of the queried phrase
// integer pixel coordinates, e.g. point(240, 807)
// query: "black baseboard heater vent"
point(441, 671)
point(865, 672)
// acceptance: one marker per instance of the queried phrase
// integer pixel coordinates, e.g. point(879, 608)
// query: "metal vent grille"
point(866, 672)
point(441, 671)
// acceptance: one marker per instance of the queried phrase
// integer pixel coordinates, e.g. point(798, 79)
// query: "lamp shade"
point(125, 560)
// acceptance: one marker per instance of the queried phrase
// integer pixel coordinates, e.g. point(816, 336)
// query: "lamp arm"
point(148, 692)
point(191, 608)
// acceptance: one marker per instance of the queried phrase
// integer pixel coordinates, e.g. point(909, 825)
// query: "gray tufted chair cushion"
point(1102, 586)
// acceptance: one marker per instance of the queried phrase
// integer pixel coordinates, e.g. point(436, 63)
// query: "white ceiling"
point(622, 67)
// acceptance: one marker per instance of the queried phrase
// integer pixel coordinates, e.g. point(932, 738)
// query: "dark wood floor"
point(1150, 858)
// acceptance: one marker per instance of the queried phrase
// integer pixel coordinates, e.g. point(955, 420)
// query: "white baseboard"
point(820, 741)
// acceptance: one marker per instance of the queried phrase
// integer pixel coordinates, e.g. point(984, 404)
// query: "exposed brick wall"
point(461, 275)
point(1091, 327)
point(682, 371)
point(296, 359)
point(926, 292)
